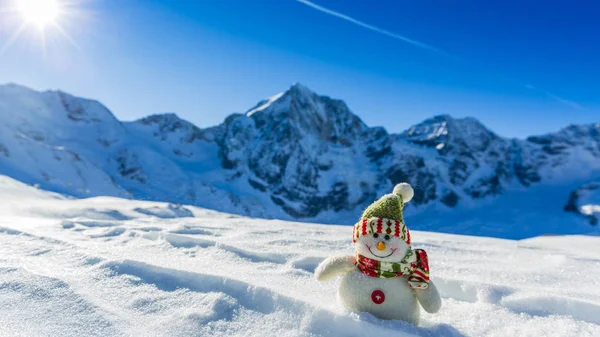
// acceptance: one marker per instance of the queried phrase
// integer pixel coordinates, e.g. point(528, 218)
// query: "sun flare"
point(41, 22)
point(40, 13)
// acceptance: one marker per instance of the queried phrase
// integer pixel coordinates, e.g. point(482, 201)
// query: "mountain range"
point(303, 156)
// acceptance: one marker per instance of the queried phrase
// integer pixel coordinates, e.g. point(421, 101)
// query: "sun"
point(40, 13)
point(43, 22)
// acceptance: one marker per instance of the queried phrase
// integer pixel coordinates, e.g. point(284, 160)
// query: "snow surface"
point(112, 267)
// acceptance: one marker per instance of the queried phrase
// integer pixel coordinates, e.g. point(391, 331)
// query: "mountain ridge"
point(295, 155)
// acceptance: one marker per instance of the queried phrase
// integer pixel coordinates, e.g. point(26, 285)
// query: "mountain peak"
point(301, 111)
point(299, 88)
point(167, 126)
point(167, 122)
point(170, 117)
point(462, 121)
point(440, 130)
point(11, 85)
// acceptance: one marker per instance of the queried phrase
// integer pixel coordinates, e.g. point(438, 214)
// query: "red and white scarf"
point(414, 266)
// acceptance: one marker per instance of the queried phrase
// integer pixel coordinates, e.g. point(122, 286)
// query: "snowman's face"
point(382, 247)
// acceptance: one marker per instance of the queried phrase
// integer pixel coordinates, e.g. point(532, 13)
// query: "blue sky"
point(521, 67)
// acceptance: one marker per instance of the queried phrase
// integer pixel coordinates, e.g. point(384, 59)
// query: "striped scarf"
point(414, 266)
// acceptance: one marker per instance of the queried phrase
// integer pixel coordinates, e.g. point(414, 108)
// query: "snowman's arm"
point(429, 298)
point(334, 266)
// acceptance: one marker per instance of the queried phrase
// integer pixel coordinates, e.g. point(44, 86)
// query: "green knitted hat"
point(384, 216)
point(390, 206)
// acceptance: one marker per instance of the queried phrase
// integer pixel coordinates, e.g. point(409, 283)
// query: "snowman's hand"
point(334, 266)
point(429, 298)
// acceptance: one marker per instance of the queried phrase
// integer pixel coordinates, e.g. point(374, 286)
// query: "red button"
point(378, 297)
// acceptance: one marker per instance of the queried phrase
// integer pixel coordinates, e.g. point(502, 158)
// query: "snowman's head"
point(381, 234)
point(382, 247)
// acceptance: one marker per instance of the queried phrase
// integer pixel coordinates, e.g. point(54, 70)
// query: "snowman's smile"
point(381, 257)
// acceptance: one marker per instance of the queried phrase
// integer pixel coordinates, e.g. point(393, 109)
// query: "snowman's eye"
point(375, 235)
point(387, 237)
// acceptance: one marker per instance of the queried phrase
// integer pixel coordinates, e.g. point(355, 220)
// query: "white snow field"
point(114, 267)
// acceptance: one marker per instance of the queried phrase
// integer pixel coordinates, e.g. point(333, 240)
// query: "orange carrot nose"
point(381, 245)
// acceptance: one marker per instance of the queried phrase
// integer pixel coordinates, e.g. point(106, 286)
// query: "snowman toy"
point(385, 277)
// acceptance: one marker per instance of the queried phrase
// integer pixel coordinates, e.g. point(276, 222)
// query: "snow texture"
point(107, 266)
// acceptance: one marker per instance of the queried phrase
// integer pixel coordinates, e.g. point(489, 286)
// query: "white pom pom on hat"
point(405, 191)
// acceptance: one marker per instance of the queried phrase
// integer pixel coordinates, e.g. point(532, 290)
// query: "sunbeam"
point(13, 38)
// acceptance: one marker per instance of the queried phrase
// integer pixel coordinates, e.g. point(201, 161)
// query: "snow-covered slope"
point(52, 138)
point(113, 267)
point(299, 155)
point(77, 147)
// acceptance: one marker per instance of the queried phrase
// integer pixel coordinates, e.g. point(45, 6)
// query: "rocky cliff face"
point(302, 149)
point(294, 155)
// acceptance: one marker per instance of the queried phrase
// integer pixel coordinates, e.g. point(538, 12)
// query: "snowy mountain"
point(299, 155)
point(114, 267)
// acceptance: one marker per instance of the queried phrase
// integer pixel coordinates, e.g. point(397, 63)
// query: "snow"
point(265, 104)
point(590, 209)
point(106, 266)
point(590, 200)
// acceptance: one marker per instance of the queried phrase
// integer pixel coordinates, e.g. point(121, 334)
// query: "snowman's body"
point(391, 298)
